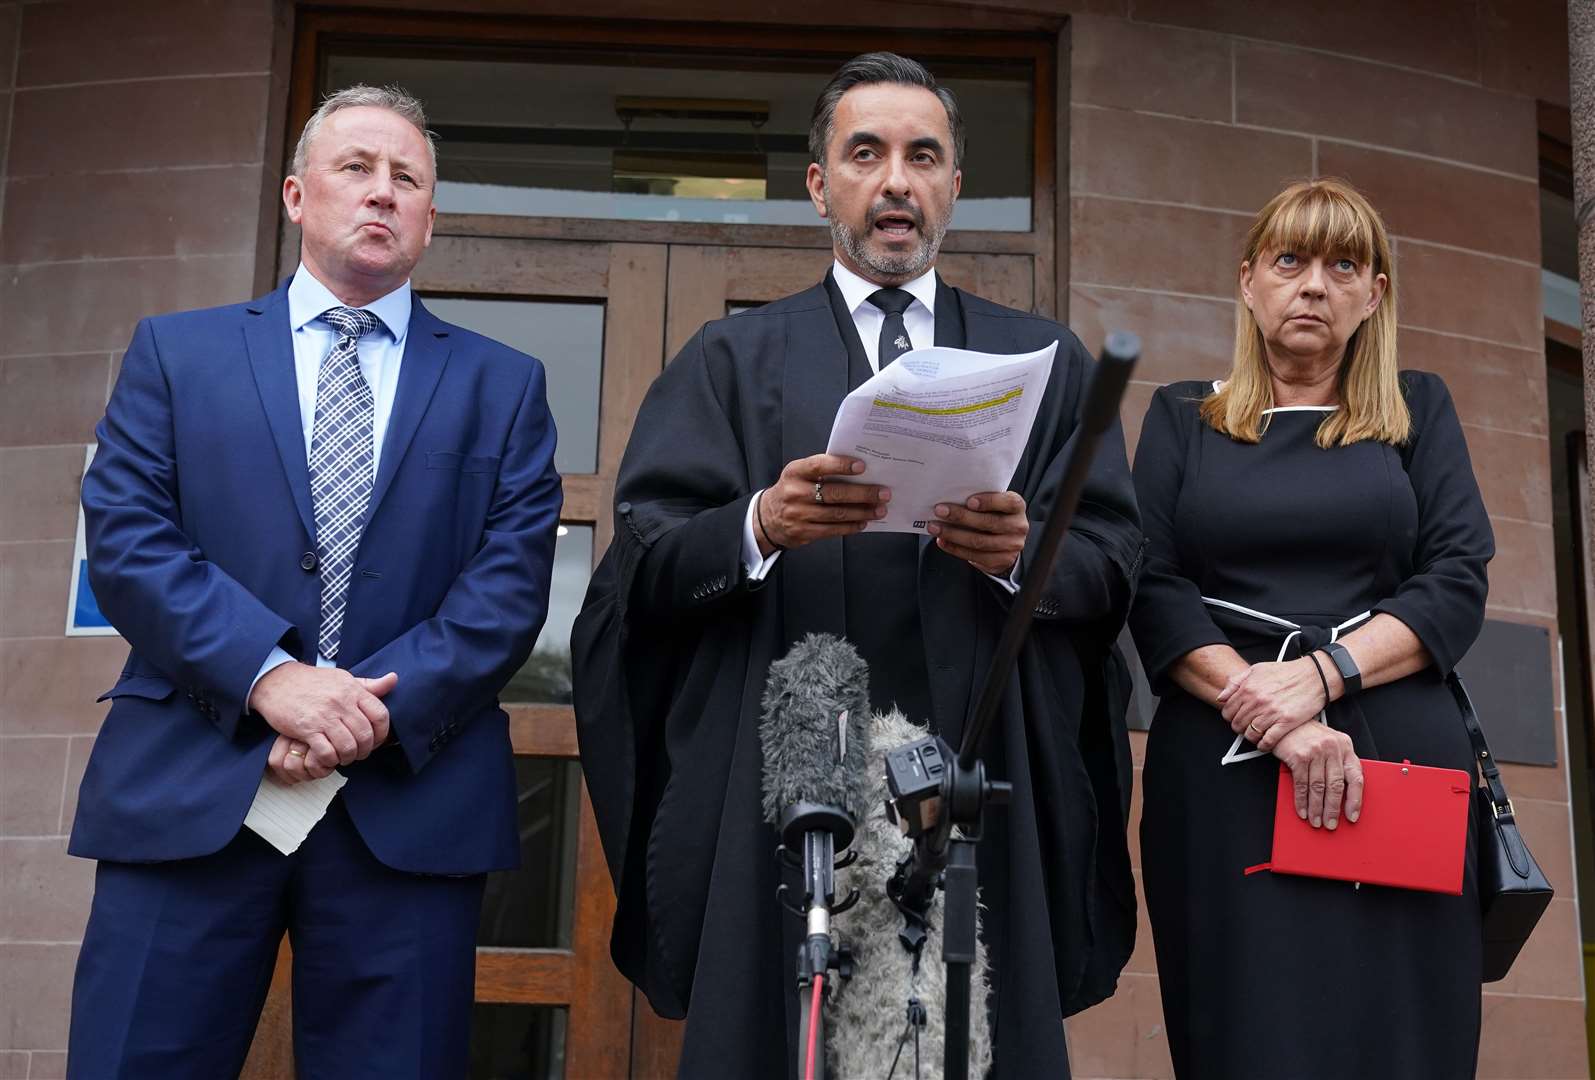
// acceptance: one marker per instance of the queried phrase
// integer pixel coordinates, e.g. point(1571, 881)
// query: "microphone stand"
point(934, 790)
point(817, 831)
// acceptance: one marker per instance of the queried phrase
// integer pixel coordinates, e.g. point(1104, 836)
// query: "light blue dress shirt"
point(380, 354)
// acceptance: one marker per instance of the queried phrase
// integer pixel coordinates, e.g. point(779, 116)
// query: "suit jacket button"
point(623, 508)
point(307, 561)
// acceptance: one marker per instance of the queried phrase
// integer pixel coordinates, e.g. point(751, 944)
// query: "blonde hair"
point(1332, 219)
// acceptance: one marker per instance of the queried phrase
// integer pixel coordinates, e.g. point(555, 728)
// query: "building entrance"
point(600, 198)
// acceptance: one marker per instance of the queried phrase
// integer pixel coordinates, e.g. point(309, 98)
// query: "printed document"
point(284, 814)
point(939, 425)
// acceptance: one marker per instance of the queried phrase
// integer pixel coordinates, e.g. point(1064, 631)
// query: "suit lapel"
point(951, 651)
point(269, 340)
point(813, 383)
point(426, 353)
point(949, 334)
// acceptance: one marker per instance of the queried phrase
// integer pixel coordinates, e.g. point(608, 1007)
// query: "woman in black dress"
point(1317, 487)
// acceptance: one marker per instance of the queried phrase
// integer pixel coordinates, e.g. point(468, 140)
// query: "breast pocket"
point(463, 463)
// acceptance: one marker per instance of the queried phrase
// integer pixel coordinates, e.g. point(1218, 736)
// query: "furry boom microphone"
point(815, 745)
point(810, 758)
point(823, 775)
point(871, 1014)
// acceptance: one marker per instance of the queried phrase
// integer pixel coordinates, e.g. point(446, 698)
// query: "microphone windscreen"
point(871, 1007)
point(808, 756)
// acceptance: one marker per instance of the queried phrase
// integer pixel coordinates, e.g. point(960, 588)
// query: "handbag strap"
point(1499, 801)
point(1481, 749)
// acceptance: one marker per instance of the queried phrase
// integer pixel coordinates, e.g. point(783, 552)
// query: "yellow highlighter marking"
point(953, 410)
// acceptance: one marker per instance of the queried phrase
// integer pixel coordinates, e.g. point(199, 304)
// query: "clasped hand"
point(1271, 704)
point(324, 717)
point(988, 531)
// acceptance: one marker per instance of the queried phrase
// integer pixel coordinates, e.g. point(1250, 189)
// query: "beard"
point(886, 265)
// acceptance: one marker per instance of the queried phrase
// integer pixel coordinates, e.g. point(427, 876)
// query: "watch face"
point(1343, 662)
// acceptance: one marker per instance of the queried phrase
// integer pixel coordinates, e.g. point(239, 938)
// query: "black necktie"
point(894, 335)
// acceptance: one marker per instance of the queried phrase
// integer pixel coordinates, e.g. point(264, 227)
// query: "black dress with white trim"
point(1272, 976)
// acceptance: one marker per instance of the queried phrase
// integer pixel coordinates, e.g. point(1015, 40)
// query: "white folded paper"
point(284, 814)
point(939, 425)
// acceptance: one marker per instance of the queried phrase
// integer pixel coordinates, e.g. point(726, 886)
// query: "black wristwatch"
point(1350, 673)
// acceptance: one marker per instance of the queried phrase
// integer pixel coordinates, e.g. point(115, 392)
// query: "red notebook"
point(1412, 832)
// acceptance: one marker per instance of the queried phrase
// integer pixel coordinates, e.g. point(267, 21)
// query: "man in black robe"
point(733, 539)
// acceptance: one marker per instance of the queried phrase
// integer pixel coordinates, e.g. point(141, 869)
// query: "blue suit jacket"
point(199, 525)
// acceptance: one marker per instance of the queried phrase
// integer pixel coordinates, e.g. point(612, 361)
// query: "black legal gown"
point(673, 644)
point(1274, 976)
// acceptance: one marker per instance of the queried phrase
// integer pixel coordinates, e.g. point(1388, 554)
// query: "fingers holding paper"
point(810, 502)
point(338, 717)
point(988, 531)
point(1325, 772)
point(290, 763)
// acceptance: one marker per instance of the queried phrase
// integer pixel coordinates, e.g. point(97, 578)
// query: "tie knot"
point(892, 301)
point(351, 322)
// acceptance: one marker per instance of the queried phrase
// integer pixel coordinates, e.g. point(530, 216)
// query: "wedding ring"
point(819, 493)
point(296, 752)
point(1253, 727)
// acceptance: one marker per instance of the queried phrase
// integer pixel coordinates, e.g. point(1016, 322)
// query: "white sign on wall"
point(83, 615)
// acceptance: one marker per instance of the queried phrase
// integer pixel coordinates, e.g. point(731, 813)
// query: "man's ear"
point(293, 198)
point(815, 182)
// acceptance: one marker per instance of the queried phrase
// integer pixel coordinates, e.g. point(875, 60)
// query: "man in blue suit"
point(324, 521)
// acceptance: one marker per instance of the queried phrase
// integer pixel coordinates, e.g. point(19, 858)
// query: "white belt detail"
point(1230, 756)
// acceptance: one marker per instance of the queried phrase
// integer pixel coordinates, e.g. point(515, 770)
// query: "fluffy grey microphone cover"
point(870, 1011)
point(804, 693)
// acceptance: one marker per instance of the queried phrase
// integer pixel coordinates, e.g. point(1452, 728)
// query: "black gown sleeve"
point(1442, 601)
point(1168, 618)
point(683, 491)
point(675, 558)
point(1096, 568)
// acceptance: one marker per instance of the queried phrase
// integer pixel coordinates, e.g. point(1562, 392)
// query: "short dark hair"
point(871, 69)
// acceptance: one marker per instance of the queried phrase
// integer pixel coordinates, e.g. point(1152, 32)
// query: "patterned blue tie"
point(341, 454)
point(894, 333)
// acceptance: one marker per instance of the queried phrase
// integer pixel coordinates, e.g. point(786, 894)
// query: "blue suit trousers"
point(178, 956)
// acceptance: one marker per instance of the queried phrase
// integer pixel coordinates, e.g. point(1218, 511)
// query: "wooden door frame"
point(630, 279)
point(320, 32)
point(639, 250)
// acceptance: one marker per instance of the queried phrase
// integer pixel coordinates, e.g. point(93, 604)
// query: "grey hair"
point(872, 69)
point(392, 98)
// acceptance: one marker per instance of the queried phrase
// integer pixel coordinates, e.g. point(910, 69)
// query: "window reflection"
point(517, 1042)
point(639, 137)
point(569, 339)
point(531, 907)
point(545, 677)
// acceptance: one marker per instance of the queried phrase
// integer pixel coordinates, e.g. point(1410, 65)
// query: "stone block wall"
point(138, 175)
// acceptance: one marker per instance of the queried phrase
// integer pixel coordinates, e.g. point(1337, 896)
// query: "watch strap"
point(1350, 673)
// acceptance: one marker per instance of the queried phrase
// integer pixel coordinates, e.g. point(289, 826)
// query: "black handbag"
point(1513, 890)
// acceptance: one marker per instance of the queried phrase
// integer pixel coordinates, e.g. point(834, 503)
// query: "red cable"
point(814, 1024)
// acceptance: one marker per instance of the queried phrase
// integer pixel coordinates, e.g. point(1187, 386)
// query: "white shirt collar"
point(856, 291)
point(308, 298)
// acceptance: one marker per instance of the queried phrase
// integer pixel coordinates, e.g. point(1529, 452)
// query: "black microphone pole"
point(1119, 355)
point(928, 767)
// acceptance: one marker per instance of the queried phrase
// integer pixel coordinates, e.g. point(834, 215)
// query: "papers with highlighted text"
point(284, 814)
point(939, 425)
